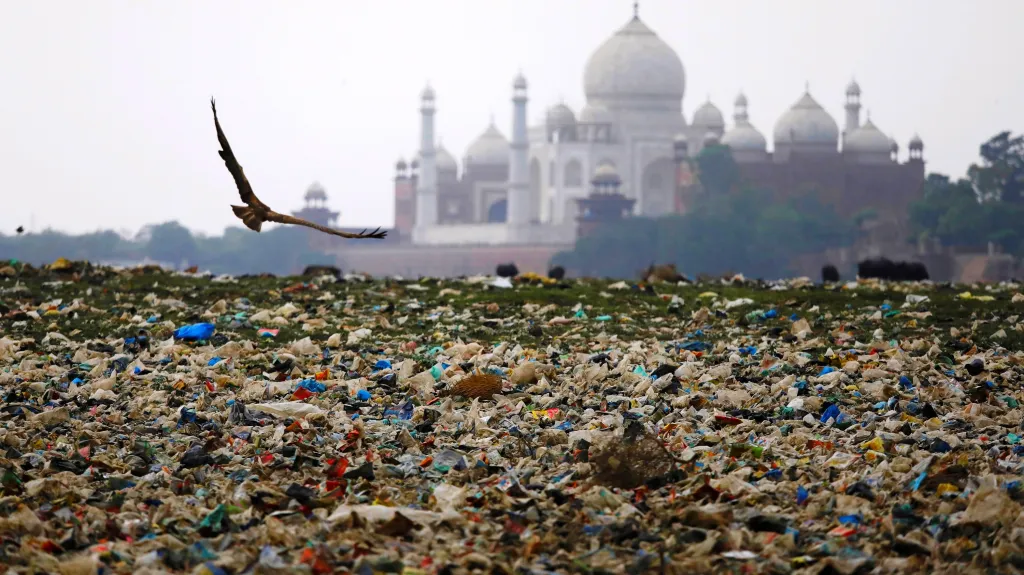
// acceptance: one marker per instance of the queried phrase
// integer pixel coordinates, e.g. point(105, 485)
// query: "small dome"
point(560, 116)
point(428, 93)
point(745, 137)
point(593, 114)
point(520, 82)
point(710, 138)
point(709, 116)
point(680, 139)
point(894, 146)
point(807, 123)
point(916, 143)
point(415, 163)
point(606, 174)
point(634, 64)
point(741, 100)
point(867, 139)
point(490, 148)
point(853, 88)
point(445, 160)
point(401, 165)
point(315, 192)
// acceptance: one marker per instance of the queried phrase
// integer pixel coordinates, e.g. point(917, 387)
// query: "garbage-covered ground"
point(161, 422)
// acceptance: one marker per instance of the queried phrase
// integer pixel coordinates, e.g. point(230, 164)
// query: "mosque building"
point(526, 190)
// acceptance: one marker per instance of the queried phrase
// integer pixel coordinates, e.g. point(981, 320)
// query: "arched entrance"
point(498, 212)
point(658, 188)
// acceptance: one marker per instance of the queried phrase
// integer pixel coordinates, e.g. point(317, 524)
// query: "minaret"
point(520, 206)
point(426, 184)
point(740, 116)
point(852, 107)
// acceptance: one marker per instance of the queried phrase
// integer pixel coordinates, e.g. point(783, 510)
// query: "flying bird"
point(255, 212)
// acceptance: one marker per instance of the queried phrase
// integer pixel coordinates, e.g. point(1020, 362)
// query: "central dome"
point(634, 64)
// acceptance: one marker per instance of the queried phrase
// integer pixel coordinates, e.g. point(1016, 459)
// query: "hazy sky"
point(105, 119)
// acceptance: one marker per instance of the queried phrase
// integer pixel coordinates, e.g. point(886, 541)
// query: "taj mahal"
point(525, 190)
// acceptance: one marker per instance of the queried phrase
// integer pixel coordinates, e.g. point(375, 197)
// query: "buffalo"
point(886, 269)
point(829, 274)
point(508, 270)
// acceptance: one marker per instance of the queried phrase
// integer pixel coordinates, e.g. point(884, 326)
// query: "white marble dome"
point(744, 137)
point(709, 116)
point(634, 64)
point(315, 191)
point(867, 139)
point(807, 123)
point(559, 116)
point(490, 148)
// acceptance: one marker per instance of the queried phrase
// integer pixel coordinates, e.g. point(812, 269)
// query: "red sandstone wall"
point(850, 187)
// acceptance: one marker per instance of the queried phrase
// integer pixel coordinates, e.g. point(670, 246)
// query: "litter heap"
point(156, 422)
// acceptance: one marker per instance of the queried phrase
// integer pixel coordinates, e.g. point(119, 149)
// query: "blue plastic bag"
point(194, 332)
point(831, 413)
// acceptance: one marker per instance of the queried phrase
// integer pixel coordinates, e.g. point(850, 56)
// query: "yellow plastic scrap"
point(944, 488)
point(708, 294)
point(873, 456)
point(60, 264)
point(969, 295)
point(874, 444)
point(909, 418)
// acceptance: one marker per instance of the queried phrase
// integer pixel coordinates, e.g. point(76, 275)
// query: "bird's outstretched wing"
point(273, 216)
point(241, 182)
point(255, 212)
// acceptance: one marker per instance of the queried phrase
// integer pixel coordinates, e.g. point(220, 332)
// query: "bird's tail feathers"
point(248, 217)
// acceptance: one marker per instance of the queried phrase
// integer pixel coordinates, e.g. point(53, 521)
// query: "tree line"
point(279, 250)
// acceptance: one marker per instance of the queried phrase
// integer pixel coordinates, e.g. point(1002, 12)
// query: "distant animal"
point(829, 274)
point(557, 273)
point(508, 270)
point(20, 230)
point(918, 272)
point(666, 272)
point(876, 268)
point(886, 269)
point(322, 271)
point(255, 212)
